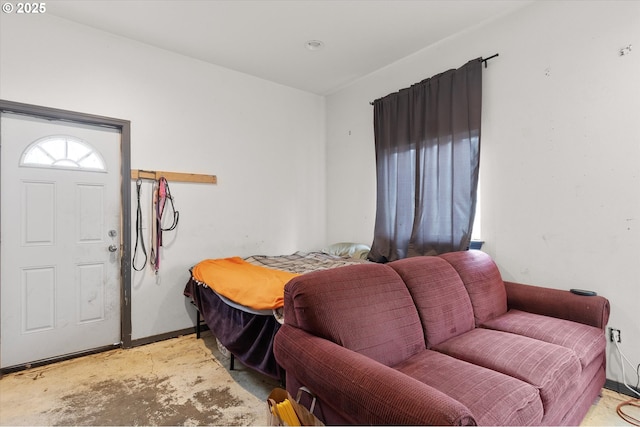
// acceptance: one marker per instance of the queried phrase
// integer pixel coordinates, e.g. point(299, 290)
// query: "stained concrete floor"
point(182, 381)
point(603, 413)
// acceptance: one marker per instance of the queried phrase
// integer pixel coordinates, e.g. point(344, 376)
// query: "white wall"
point(265, 143)
point(560, 147)
point(560, 159)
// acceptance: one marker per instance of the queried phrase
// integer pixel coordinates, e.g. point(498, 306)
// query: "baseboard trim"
point(134, 343)
point(43, 362)
point(620, 388)
point(165, 336)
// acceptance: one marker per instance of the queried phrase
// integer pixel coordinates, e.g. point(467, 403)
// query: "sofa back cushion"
point(483, 281)
point(438, 292)
point(365, 308)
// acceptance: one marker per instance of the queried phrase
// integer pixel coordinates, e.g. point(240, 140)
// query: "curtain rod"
point(484, 60)
point(487, 59)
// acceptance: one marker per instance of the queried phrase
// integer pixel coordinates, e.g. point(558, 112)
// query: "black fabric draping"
point(248, 336)
point(427, 142)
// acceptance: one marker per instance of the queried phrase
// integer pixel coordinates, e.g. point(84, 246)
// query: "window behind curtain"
point(427, 140)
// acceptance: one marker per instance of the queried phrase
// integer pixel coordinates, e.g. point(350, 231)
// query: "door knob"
point(113, 248)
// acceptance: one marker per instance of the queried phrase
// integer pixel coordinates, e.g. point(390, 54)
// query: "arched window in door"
point(63, 152)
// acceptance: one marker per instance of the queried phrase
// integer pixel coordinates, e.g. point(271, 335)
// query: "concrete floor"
point(604, 412)
point(182, 381)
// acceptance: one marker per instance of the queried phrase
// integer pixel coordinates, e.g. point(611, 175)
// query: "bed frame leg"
point(232, 359)
point(198, 324)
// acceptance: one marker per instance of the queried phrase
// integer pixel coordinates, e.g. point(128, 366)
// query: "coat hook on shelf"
point(137, 174)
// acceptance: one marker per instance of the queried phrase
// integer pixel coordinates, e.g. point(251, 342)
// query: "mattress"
point(248, 333)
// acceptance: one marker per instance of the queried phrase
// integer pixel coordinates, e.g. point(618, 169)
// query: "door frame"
point(124, 126)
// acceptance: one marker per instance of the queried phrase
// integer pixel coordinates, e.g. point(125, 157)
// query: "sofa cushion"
point(578, 397)
point(365, 308)
point(440, 296)
point(548, 367)
point(493, 398)
point(483, 281)
point(586, 342)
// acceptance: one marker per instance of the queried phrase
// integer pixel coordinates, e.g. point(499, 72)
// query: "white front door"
point(60, 235)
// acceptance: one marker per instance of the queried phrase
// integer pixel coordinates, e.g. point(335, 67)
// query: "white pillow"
point(347, 249)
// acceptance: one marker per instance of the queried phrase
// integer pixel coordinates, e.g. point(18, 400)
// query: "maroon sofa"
point(441, 340)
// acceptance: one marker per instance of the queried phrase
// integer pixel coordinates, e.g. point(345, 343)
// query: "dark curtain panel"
point(427, 141)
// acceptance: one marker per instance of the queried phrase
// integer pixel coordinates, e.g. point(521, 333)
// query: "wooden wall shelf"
point(173, 176)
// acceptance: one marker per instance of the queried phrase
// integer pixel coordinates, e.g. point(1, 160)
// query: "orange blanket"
point(253, 286)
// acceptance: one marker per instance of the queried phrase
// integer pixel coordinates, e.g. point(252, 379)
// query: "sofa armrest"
point(366, 391)
point(590, 310)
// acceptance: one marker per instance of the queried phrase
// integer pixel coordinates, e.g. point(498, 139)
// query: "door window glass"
point(63, 152)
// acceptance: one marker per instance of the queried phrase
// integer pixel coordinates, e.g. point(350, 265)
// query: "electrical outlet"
point(614, 335)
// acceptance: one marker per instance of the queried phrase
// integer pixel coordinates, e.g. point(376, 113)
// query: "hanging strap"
point(165, 194)
point(139, 240)
point(155, 250)
point(160, 195)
